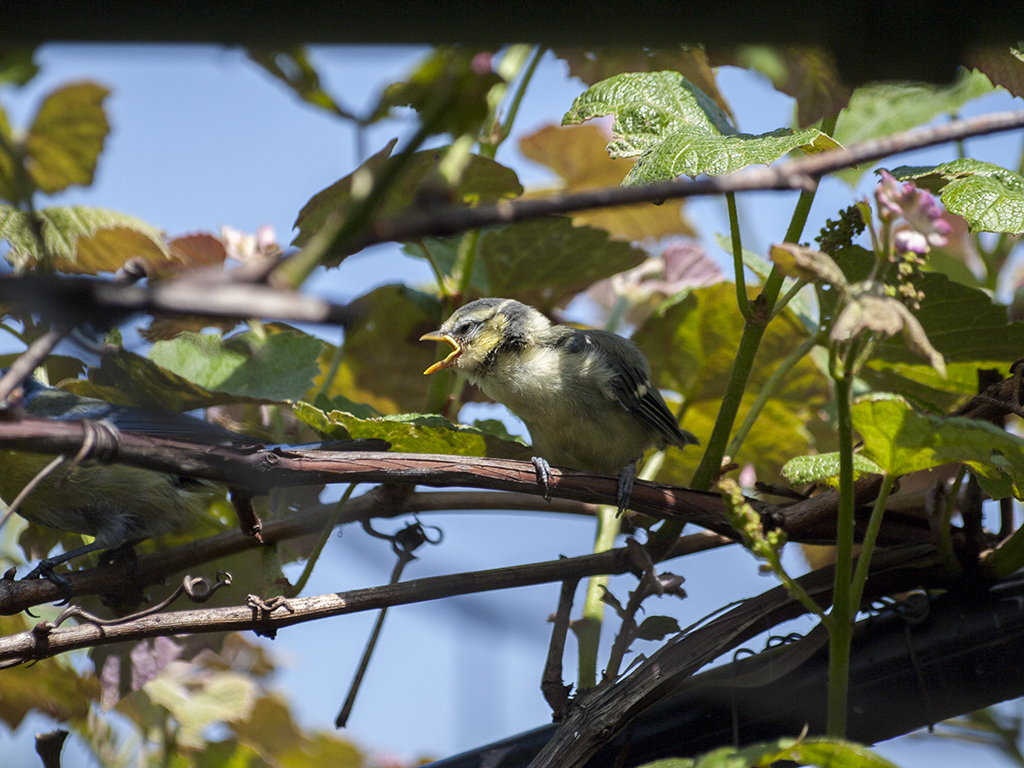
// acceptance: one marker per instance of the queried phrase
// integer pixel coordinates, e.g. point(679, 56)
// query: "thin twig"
point(556, 692)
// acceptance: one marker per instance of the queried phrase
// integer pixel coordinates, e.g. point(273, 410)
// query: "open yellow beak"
point(449, 361)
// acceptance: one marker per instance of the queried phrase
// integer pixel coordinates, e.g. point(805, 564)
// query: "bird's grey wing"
point(634, 390)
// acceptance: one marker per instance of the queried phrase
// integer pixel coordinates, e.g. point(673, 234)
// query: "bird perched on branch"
point(115, 503)
point(586, 396)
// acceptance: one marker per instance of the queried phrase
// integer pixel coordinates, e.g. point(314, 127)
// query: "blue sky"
point(203, 138)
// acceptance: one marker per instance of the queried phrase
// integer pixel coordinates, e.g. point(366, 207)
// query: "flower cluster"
point(925, 228)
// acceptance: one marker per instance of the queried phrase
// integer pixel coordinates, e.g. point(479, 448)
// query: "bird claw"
point(44, 570)
point(625, 491)
point(543, 475)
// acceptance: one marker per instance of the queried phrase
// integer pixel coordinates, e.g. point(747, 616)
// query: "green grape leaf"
point(278, 363)
point(822, 466)
point(543, 261)
point(67, 137)
point(883, 109)
point(692, 347)
point(383, 359)
point(688, 60)
point(901, 440)
point(962, 323)
point(989, 197)
point(675, 129)
point(443, 253)
point(412, 433)
point(126, 378)
point(820, 751)
point(79, 239)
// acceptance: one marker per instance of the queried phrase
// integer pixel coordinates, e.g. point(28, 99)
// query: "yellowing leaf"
point(577, 154)
point(67, 136)
point(72, 239)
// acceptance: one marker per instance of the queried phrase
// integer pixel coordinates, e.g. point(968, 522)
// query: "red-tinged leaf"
point(109, 249)
point(197, 250)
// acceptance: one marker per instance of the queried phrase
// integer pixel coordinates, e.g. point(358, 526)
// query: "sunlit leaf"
point(126, 378)
point(279, 364)
point(67, 137)
point(688, 60)
point(692, 347)
point(412, 433)
point(962, 323)
point(882, 109)
point(822, 466)
point(901, 440)
point(383, 359)
point(989, 197)
point(675, 129)
point(220, 697)
point(818, 751)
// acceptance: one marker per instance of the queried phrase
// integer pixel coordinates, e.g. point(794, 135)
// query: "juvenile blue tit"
point(586, 396)
point(113, 502)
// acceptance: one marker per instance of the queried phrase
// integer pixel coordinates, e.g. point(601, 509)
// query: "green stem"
point(945, 531)
point(841, 629)
point(768, 389)
point(788, 297)
point(321, 541)
point(867, 546)
point(463, 270)
point(442, 285)
point(753, 329)
point(588, 631)
point(796, 591)
point(513, 107)
point(332, 368)
point(742, 299)
point(609, 525)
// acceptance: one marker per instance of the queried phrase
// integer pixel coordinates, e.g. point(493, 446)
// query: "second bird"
point(586, 396)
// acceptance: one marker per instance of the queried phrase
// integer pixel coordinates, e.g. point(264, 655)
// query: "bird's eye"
point(464, 327)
